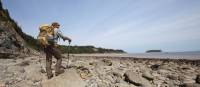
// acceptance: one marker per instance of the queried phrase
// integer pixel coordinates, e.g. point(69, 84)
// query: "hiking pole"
point(68, 54)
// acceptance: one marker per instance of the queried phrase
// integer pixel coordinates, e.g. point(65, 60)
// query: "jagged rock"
point(4, 55)
point(42, 70)
point(171, 83)
point(190, 85)
point(103, 84)
point(12, 39)
point(91, 83)
point(107, 62)
point(198, 79)
point(117, 76)
point(93, 63)
point(123, 84)
point(172, 77)
point(186, 79)
point(25, 83)
point(185, 67)
point(68, 79)
point(84, 72)
point(136, 79)
point(147, 75)
point(22, 70)
point(24, 63)
point(155, 67)
point(163, 72)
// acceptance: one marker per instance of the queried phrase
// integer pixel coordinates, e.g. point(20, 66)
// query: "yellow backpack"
point(45, 31)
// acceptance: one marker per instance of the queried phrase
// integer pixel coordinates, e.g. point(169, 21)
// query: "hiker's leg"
point(49, 63)
point(58, 67)
point(58, 56)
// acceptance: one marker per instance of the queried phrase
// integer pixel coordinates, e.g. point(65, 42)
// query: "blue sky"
point(131, 25)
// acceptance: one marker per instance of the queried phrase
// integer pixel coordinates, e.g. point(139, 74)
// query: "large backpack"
point(45, 31)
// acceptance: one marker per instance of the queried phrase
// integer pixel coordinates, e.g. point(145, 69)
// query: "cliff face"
point(11, 40)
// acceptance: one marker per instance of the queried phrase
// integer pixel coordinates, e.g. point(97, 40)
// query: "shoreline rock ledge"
point(70, 79)
point(136, 79)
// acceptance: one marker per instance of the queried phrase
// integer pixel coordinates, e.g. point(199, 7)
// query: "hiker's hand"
point(70, 40)
point(65, 38)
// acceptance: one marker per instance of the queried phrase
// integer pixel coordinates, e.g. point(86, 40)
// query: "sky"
point(131, 25)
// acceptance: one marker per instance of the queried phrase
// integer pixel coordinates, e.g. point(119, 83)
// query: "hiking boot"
point(60, 72)
point(49, 76)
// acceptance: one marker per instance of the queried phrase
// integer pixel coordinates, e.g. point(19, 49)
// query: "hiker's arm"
point(63, 37)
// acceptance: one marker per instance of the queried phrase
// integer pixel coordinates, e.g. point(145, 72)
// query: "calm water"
point(171, 55)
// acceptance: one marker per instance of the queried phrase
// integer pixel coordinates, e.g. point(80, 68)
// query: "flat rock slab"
point(136, 79)
point(68, 79)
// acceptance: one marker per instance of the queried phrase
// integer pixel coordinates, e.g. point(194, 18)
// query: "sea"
point(193, 55)
point(167, 55)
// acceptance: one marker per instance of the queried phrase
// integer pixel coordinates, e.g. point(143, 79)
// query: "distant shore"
point(114, 56)
point(175, 55)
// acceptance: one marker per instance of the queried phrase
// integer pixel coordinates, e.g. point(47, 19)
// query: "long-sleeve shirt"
point(57, 34)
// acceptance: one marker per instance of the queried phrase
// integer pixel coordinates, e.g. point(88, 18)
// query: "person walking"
point(51, 50)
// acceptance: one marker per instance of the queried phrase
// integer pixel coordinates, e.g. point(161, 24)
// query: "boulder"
point(172, 76)
point(187, 79)
point(107, 62)
point(8, 55)
point(117, 76)
point(198, 79)
point(84, 72)
point(24, 63)
point(93, 63)
point(190, 85)
point(147, 75)
point(124, 84)
point(155, 67)
point(135, 79)
point(68, 79)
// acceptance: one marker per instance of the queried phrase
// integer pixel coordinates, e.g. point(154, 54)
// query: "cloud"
point(175, 28)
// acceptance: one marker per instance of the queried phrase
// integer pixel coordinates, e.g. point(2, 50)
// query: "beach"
point(101, 70)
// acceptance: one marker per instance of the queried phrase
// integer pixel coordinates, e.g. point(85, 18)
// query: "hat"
point(55, 24)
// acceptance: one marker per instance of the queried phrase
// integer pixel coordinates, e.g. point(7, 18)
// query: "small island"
point(153, 51)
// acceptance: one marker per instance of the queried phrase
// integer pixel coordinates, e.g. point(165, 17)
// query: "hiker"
point(50, 48)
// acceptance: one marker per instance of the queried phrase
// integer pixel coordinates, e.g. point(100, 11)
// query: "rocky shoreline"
point(84, 71)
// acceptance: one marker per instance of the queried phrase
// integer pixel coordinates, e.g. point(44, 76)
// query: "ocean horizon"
point(153, 55)
point(170, 55)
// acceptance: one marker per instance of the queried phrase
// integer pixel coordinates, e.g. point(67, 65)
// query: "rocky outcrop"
point(198, 79)
point(107, 62)
point(12, 43)
point(146, 74)
point(70, 79)
point(136, 79)
point(190, 85)
point(30, 72)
